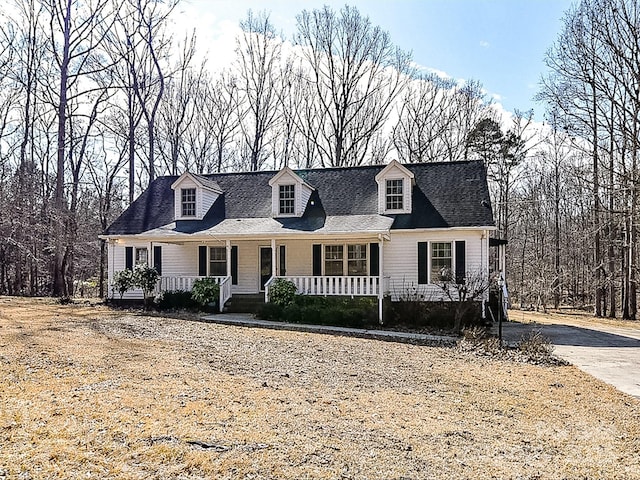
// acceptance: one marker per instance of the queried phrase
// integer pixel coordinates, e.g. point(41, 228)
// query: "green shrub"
point(146, 278)
point(282, 292)
point(176, 300)
point(123, 281)
point(336, 311)
point(441, 315)
point(270, 311)
point(206, 291)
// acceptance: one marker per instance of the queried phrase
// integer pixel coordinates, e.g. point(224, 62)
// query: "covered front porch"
point(335, 266)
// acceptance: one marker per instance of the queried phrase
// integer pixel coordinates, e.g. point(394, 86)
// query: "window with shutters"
point(441, 261)
point(217, 261)
point(333, 259)
point(354, 263)
point(142, 256)
point(357, 259)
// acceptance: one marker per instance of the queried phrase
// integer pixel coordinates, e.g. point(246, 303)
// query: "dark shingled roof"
point(450, 194)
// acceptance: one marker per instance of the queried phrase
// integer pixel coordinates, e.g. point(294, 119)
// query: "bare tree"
point(357, 73)
point(258, 51)
point(178, 107)
point(214, 129)
point(77, 36)
point(593, 85)
point(426, 116)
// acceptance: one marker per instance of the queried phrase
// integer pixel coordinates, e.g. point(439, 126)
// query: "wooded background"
point(98, 97)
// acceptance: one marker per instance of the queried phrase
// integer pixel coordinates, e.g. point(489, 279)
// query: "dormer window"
point(193, 196)
point(188, 200)
point(395, 194)
point(289, 194)
point(395, 189)
point(287, 199)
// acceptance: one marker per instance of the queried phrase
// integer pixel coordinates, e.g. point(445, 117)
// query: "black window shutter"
point(128, 258)
point(157, 259)
point(283, 260)
point(374, 253)
point(423, 268)
point(234, 265)
point(317, 260)
point(461, 266)
point(202, 260)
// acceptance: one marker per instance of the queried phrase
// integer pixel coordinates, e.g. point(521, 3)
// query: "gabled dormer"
point(193, 196)
point(395, 187)
point(289, 194)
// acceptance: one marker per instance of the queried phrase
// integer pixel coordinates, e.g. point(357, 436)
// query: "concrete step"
point(244, 303)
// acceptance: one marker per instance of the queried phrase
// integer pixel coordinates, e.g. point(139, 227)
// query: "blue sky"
point(501, 43)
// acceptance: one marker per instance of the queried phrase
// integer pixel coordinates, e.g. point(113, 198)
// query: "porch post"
point(273, 257)
point(380, 279)
point(228, 248)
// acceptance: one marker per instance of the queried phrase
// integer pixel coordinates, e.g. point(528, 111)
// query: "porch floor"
point(248, 320)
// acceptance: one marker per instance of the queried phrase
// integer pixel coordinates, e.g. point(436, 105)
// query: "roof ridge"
point(323, 169)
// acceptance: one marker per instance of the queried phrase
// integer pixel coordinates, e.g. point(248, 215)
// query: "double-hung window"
point(441, 263)
point(337, 264)
point(357, 259)
point(333, 260)
point(142, 256)
point(188, 202)
point(394, 194)
point(217, 261)
point(287, 199)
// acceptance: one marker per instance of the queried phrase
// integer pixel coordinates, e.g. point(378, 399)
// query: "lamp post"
point(500, 287)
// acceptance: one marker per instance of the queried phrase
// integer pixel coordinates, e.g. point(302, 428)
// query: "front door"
point(266, 269)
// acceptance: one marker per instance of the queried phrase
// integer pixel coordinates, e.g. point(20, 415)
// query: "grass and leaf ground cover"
point(89, 392)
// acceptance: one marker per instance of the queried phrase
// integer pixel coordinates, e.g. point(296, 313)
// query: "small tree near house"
point(146, 278)
point(463, 293)
point(123, 281)
point(143, 277)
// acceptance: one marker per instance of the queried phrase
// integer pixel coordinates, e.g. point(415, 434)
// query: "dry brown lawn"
point(87, 392)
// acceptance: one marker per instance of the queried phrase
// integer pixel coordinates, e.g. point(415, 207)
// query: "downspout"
point(380, 278)
point(484, 269)
point(228, 248)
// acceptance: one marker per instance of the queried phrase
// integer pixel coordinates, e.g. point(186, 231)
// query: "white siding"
point(303, 199)
point(177, 195)
point(118, 263)
point(392, 172)
point(401, 258)
point(299, 255)
point(248, 266)
point(204, 198)
point(302, 194)
point(207, 198)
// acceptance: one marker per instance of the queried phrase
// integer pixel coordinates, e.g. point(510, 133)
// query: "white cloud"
point(484, 44)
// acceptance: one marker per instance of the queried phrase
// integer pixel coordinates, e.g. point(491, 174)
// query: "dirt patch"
point(88, 392)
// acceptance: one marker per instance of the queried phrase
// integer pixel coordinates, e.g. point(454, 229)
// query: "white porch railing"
point(186, 283)
point(348, 286)
point(225, 290)
point(178, 283)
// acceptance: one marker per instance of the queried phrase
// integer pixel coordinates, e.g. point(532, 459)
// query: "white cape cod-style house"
point(359, 231)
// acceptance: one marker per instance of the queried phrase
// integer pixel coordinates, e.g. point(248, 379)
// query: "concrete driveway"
point(611, 354)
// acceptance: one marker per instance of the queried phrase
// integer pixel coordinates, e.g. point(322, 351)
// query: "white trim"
point(390, 166)
point(187, 238)
point(196, 180)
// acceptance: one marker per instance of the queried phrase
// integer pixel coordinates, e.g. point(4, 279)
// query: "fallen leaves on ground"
point(89, 392)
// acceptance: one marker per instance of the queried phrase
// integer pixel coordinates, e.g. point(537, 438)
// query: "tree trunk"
point(59, 284)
